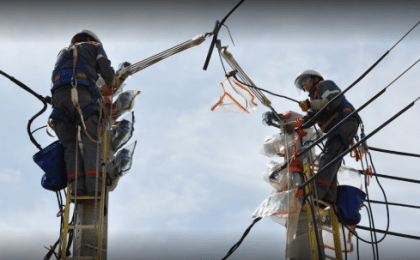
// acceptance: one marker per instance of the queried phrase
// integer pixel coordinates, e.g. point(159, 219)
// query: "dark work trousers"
point(88, 161)
point(326, 184)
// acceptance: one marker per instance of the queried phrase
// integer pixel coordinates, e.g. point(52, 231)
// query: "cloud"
point(194, 170)
point(8, 176)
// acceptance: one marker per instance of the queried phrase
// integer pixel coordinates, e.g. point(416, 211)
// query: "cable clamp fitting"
point(369, 171)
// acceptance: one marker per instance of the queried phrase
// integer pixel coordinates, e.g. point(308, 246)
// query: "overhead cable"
point(315, 117)
point(389, 233)
point(358, 143)
point(354, 112)
point(165, 54)
point(394, 204)
point(274, 94)
point(393, 152)
point(216, 33)
point(234, 247)
point(395, 178)
point(41, 98)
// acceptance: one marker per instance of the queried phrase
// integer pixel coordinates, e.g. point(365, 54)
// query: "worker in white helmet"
point(78, 66)
point(320, 92)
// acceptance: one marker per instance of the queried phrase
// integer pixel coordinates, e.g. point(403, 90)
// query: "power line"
point(393, 152)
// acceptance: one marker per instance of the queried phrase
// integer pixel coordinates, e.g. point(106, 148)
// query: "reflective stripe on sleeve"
point(327, 93)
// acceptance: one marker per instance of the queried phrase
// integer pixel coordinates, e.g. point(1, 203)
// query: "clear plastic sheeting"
point(122, 132)
point(125, 102)
point(121, 164)
point(349, 176)
point(275, 145)
point(277, 176)
point(283, 207)
point(289, 116)
point(280, 204)
point(274, 174)
point(236, 98)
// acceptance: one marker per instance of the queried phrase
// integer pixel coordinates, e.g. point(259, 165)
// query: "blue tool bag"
point(349, 200)
point(51, 161)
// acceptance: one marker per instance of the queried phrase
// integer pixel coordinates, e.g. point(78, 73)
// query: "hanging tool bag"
point(349, 200)
point(51, 161)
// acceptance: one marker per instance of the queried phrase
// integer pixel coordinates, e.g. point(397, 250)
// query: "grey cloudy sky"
point(197, 174)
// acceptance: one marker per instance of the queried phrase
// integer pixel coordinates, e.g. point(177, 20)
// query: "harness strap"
point(325, 125)
point(74, 93)
point(72, 175)
point(326, 183)
point(75, 75)
point(93, 172)
point(87, 112)
point(58, 115)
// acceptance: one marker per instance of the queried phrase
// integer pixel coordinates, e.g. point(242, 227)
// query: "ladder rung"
point(83, 227)
point(85, 197)
point(328, 229)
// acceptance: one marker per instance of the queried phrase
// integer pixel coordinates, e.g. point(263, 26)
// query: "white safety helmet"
point(304, 77)
point(88, 32)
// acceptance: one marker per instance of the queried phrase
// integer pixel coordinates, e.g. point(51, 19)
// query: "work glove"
point(109, 89)
point(305, 105)
point(122, 72)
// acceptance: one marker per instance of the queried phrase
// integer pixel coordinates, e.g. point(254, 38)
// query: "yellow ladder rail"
point(102, 203)
point(336, 235)
point(66, 224)
point(312, 235)
point(334, 222)
point(100, 225)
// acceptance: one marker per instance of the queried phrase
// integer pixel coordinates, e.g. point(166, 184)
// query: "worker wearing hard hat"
point(74, 77)
point(320, 93)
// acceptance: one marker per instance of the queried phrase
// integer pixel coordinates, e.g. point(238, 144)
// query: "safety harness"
point(78, 75)
point(341, 112)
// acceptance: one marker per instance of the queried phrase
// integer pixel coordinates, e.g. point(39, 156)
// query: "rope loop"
point(299, 131)
point(368, 171)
